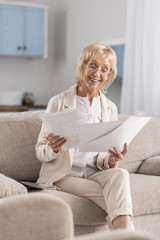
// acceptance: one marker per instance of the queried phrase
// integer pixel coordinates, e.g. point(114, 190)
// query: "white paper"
point(100, 137)
point(64, 124)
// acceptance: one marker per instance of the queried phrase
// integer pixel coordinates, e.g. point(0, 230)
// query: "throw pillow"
point(9, 187)
point(150, 166)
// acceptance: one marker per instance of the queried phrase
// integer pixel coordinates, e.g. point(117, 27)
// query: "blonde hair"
point(91, 52)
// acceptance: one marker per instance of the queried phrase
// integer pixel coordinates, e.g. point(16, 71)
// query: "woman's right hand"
point(55, 142)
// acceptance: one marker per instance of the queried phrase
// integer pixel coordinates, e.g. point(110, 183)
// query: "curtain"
point(141, 79)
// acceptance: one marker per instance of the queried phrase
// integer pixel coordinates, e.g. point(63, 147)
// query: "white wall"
point(72, 25)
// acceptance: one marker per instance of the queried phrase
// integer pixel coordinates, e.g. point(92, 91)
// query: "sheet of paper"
point(64, 124)
point(100, 137)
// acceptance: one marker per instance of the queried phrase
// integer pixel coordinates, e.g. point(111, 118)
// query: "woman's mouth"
point(94, 80)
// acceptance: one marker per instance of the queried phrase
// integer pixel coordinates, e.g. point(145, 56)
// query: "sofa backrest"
point(19, 133)
point(18, 137)
point(145, 145)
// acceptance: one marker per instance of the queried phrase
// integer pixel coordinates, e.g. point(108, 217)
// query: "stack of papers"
point(65, 124)
point(101, 137)
point(92, 137)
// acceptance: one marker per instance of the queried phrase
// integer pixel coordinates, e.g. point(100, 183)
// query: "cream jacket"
point(57, 165)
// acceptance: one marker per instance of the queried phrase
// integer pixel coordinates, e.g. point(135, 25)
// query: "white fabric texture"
point(141, 84)
point(9, 187)
point(84, 163)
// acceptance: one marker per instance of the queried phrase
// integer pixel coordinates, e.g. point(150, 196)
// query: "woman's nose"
point(97, 72)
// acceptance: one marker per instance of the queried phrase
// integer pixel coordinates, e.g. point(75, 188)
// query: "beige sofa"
point(42, 216)
point(19, 132)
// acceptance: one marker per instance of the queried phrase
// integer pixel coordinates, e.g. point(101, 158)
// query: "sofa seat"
point(85, 211)
point(145, 191)
point(88, 217)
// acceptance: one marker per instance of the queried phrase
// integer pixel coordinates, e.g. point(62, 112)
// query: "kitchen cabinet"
point(22, 30)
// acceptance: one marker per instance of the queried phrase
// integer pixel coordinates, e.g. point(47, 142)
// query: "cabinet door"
point(34, 31)
point(11, 30)
point(22, 30)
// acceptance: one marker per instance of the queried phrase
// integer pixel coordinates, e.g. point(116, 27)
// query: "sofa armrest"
point(150, 166)
point(35, 216)
point(118, 235)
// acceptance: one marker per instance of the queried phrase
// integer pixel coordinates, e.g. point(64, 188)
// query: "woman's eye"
point(104, 70)
point(92, 67)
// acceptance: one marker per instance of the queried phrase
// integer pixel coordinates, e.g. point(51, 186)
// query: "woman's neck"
point(84, 93)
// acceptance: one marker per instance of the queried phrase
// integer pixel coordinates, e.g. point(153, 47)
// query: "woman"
point(92, 175)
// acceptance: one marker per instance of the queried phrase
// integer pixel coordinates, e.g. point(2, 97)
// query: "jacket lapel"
point(106, 113)
point(69, 103)
point(70, 98)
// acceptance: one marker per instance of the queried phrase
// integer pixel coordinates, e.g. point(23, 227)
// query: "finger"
point(113, 156)
point(112, 153)
point(56, 143)
point(58, 147)
point(60, 141)
point(125, 149)
point(49, 135)
point(113, 159)
point(53, 140)
point(118, 153)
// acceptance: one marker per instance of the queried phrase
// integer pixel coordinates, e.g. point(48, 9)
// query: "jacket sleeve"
point(43, 152)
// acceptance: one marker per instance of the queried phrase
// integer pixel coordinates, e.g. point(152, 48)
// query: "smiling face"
point(96, 69)
point(95, 75)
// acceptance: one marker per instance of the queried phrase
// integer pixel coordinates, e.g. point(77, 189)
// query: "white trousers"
point(109, 189)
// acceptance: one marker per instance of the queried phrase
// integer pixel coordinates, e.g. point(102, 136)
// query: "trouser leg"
point(109, 189)
point(116, 191)
point(83, 188)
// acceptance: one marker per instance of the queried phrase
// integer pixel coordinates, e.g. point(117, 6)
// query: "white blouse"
point(84, 163)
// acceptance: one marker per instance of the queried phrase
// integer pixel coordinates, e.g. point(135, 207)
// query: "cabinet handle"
point(25, 48)
point(19, 48)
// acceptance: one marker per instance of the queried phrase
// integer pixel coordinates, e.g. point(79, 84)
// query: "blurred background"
point(68, 26)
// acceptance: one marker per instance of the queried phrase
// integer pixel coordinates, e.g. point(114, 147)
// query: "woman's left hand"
point(117, 155)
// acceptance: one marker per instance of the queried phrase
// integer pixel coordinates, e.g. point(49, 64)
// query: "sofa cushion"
point(144, 145)
point(85, 212)
point(150, 166)
point(19, 132)
point(118, 234)
point(9, 187)
point(145, 191)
